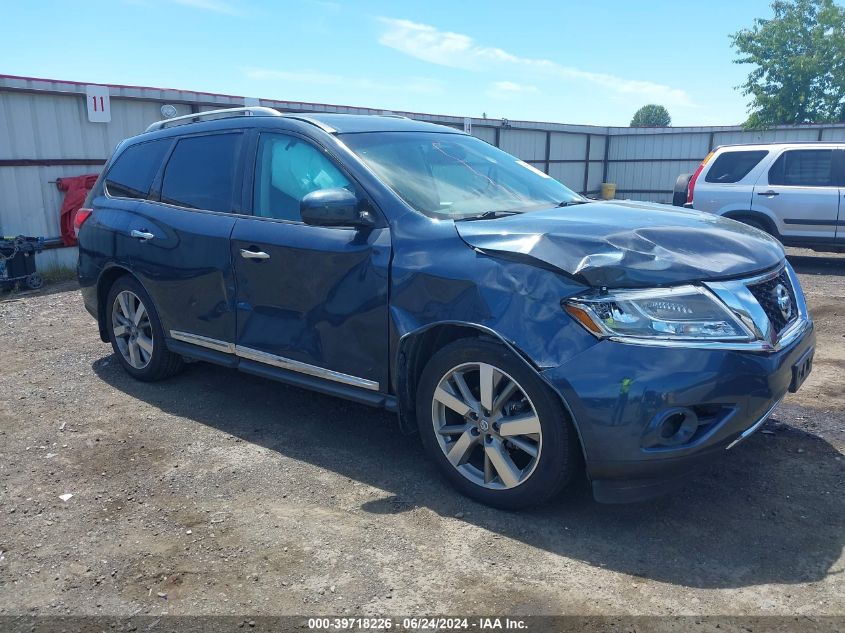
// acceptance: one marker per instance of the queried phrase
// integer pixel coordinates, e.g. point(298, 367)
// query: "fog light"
point(671, 427)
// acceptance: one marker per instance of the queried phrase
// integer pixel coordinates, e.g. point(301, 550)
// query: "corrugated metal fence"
point(45, 134)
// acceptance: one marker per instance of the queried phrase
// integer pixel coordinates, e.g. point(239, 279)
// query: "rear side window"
point(134, 170)
point(803, 167)
point(201, 172)
point(734, 166)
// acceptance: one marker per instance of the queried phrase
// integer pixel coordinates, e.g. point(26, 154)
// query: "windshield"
point(456, 176)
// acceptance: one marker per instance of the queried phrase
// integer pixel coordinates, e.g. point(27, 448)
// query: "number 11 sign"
point(99, 108)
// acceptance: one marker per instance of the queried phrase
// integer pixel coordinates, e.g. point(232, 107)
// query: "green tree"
point(651, 115)
point(799, 59)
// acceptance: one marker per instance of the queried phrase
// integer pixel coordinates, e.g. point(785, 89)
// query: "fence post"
point(548, 150)
point(606, 152)
point(587, 165)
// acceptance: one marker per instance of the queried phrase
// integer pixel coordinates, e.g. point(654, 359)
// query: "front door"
point(801, 192)
point(310, 299)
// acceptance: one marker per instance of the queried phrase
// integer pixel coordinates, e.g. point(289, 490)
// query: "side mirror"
point(333, 207)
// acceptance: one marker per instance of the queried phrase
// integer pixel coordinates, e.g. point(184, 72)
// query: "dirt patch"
point(220, 493)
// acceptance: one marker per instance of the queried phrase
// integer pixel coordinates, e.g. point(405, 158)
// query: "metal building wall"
point(644, 163)
point(45, 134)
point(53, 133)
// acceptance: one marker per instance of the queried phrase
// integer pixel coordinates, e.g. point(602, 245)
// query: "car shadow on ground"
point(771, 511)
point(817, 264)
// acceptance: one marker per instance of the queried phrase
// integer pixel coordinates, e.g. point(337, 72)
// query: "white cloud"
point(215, 6)
point(457, 50)
point(505, 90)
point(511, 86)
point(417, 85)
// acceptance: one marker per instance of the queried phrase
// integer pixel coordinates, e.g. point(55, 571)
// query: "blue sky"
point(572, 62)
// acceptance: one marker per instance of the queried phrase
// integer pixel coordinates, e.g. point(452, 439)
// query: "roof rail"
point(212, 115)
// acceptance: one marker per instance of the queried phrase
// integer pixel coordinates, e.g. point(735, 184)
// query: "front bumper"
point(617, 393)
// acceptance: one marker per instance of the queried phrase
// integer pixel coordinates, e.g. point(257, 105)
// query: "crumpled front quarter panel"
point(437, 278)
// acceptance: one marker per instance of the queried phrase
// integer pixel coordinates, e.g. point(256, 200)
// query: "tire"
point(34, 281)
point(479, 441)
point(679, 195)
point(140, 348)
point(755, 223)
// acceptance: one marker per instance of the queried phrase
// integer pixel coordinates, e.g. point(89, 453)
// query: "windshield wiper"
point(487, 215)
point(569, 203)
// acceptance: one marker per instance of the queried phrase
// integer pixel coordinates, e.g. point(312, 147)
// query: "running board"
point(282, 369)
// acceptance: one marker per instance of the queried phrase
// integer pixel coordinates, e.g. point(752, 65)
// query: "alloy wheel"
point(132, 329)
point(486, 426)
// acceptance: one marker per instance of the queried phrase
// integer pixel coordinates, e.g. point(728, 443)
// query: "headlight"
point(683, 313)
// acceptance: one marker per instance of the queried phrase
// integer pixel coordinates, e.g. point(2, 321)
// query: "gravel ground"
point(221, 493)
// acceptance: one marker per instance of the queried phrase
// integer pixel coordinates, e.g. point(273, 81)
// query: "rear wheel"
point(136, 334)
point(494, 428)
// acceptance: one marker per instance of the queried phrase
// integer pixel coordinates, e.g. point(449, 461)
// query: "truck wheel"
point(493, 427)
point(136, 334)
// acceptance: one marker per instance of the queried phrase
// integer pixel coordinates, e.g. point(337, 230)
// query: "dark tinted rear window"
point(803, 167)
point(734, 166)
point(201, 172)
point(134, 170)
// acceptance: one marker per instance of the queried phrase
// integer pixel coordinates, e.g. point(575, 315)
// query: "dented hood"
point(624, 244)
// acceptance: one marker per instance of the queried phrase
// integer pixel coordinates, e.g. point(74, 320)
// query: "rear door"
point(182, 232)
point(728, 182)
point(126, 184)
point(311, 299)
point(801, 192)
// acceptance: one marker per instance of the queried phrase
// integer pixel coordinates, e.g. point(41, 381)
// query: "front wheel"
point(494, 428)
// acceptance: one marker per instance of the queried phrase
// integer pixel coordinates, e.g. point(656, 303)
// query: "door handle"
point(141, 235)
point(247, 254)
point(768, 193)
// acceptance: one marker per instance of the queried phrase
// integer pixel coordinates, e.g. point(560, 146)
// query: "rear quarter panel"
point(103, 242)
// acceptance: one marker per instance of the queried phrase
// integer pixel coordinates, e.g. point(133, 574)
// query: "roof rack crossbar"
point(211, 115)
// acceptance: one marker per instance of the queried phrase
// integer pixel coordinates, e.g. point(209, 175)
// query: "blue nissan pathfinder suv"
point(524, 331)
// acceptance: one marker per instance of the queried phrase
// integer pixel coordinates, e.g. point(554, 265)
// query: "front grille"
point(772, 296)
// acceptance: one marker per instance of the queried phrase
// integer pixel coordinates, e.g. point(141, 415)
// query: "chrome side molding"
point(276, 361)
point(203, 341)
point(304, 368)
point(751, 429)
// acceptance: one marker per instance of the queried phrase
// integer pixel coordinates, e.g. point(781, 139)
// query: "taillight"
point(79, 219)
point(691, 187)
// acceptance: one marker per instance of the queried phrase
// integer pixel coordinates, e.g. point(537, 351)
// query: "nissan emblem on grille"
point(777, 298)
point(784, 301)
